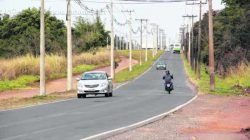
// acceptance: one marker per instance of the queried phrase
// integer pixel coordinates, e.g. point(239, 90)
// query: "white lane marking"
point(136, 125)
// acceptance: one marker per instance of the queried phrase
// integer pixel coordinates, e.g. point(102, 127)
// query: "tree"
point(89, 36)
point(231, 35)
point(19, 35)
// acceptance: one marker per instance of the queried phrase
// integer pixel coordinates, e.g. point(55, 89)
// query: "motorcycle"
point(168, 87)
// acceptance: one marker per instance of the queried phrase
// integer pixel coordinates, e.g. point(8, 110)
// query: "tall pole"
point(120, 39)
point(69, 48)
point(189, 36)
point(107, 42)
point(199, 44)
point(130, 38)
point(42, 51)
point(192, 43)
point(130, 42)
point(189, 44)
point(154, 44)
point(146, 43)
point(141, 20)
point(157, 38)
point(161, 38)
point(112, 42)
point(140, 46)
point(211, 46)
point(155, 27)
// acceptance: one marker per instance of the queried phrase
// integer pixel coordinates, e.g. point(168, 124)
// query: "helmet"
point(167, 72)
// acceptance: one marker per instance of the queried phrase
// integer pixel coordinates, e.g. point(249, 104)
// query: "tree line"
point(20, 34)
point(231, 36)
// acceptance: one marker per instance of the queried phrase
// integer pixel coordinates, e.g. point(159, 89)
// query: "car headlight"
point(80, 86)
point(104, 85)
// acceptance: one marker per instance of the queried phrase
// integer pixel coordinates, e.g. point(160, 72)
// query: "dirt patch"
point(209, 117)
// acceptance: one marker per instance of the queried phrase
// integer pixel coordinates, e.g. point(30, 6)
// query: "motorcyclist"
point(168, 78)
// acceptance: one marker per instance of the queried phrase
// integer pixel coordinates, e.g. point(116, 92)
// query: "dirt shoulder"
point(209, 117)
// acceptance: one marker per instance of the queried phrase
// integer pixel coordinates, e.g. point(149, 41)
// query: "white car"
point(94, 83)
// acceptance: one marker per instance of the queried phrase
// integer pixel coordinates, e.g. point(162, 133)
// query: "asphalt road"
point(79, 118)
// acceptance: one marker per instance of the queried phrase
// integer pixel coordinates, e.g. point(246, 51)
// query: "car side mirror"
point(78, 79)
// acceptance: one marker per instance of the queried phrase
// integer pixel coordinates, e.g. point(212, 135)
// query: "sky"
point(167, 15)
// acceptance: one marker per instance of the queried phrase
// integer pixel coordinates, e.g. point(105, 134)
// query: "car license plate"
point(91, 90)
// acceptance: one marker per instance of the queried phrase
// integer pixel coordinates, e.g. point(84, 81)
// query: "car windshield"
point(94, 76)
point(161, 63)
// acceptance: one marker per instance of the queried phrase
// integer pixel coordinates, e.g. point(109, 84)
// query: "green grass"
point(25, 80)
point(81, 68)
point(223, 86)
point(18, 83)
point(45, 97)
point(126, 75)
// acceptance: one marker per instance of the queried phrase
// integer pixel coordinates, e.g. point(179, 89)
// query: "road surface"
point(79, 118)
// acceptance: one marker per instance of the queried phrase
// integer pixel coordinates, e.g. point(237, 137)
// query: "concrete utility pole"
point(69, 48)
point(157, 38)
point(189, 36)
point(199, 45)
point(211, 45)
point(122, 43)
point(112, 68)
point(141, 21)
point(130, 38)
point(197, 64)
point(42, 51)
point(120, 39)
point(107, 42)
point(155, 26)
point(161, 38)
point(146, 43)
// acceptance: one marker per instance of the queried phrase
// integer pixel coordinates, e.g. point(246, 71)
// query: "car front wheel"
point(110, 94)
point(79, 96)
point(106, 94)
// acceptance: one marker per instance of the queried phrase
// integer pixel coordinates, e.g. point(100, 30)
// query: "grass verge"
point(13, 103)
point(20, 82)
point(232, 84)
point(20, 72)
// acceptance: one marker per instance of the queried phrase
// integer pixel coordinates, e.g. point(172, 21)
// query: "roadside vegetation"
point(19, 34)
point(24, 70)
point(235, 83)
point(231, 49)
point(231, 36)
point(19, 47)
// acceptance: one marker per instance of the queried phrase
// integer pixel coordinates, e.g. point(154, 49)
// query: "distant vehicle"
point(161, 65)
point(94, 83)
point(176, 48)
